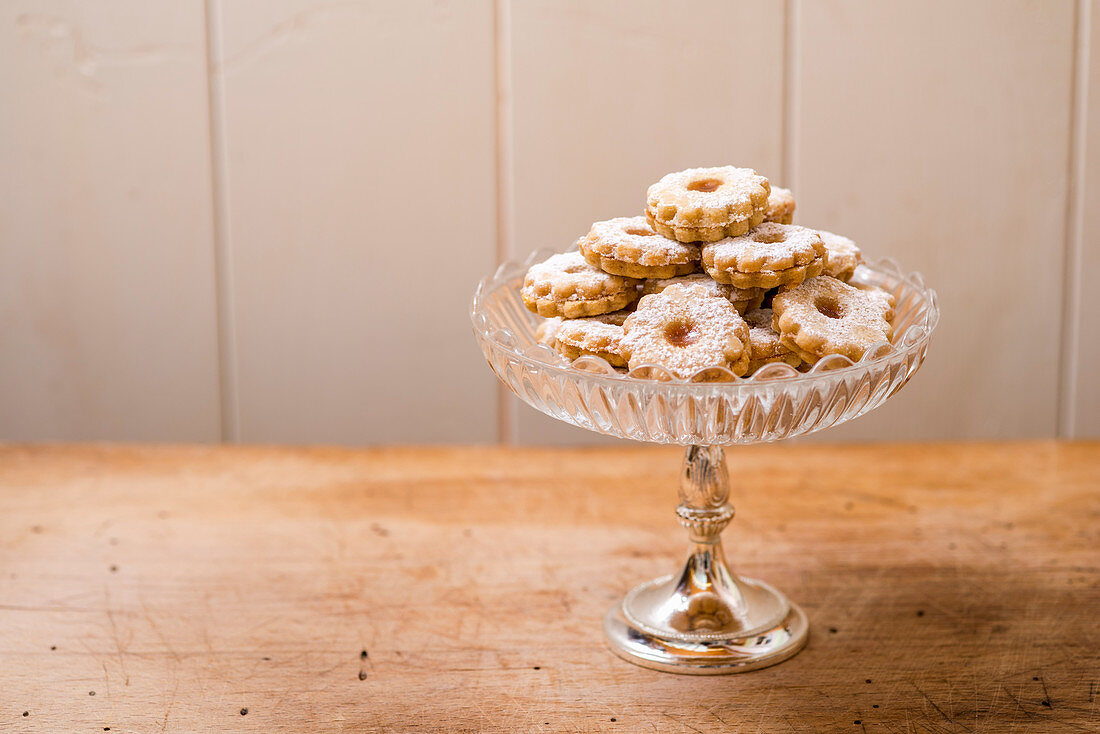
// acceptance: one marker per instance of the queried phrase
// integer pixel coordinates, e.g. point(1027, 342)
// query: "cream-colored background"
point(262, 220)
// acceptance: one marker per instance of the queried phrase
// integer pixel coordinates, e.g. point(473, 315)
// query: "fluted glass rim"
point(911, 340)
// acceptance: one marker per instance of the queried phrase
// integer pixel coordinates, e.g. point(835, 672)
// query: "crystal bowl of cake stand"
point(704, 619)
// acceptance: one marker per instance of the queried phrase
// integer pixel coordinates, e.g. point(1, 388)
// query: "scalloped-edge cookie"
point(765, 343)
point(823, 316)
point(767, 279)
point(686, 330)
point(578, 337)
point(780, 206)
point(743, 299)
point(771, 246)
point(842, 255)
point(566, 285)
point(629, 246)
point(707, 204)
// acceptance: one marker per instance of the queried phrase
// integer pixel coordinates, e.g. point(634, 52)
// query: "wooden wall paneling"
point(107, 299)
point(360, 194)
point(945, 146)
point(1083, 398)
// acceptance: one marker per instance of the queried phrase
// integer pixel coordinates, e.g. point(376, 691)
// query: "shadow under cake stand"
point(704, 619)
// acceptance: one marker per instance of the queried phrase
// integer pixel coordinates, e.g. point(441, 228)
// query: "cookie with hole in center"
point(767, 256)
point(707, 204)
point(842, 255)
point(780, 206)
point(743, 299)
point(566, 285)
point(593, 336)
point(824, 316)
point(629, 246)
point(765, 343)
point(687, 331)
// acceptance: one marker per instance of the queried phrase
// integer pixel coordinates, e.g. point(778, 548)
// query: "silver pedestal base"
point(674, 652)
point(705, 620)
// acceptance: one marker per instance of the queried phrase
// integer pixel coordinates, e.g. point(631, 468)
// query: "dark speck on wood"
point(244, 712)
point(364, 655)
point(362, 675)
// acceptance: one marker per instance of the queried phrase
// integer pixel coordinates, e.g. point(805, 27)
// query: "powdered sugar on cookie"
point(825, 316)
point(629, 246)
point(566, 285)
point(842, 256)
point(707, 204)
point(686, 330)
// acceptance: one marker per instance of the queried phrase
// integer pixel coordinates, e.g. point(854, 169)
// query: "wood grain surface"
point(951, 588)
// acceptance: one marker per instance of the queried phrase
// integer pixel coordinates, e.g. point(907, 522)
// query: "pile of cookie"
point(714, 275)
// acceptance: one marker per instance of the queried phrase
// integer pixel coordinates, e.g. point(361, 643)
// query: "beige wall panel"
point(107, 305)
point(1085, 393)
point(606, 101)
point(945, 145)
point(360, 157)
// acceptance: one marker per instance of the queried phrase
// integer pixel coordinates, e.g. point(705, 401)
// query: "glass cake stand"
point(703, 619)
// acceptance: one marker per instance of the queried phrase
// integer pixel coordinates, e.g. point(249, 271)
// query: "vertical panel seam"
point(502, 58)
point(789, 103)
point(219, 169)
point(1074, 213)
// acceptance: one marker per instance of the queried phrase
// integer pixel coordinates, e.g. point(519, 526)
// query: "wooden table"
point(951, 588)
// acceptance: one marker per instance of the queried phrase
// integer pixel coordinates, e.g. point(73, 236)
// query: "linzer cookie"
point(765, 343)
point(825, 316)
point(547, 332)
point(579, 337)
point(767, 256)
point(565, 285)
point(780, 206)
point(707, 204)
point(629, 246)
point(687, 331)
point(842, 256)
point(743, 299)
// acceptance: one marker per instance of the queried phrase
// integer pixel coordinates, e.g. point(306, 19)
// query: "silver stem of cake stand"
point(705, 619)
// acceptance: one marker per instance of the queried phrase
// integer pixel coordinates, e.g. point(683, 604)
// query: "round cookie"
point(765, 343)
point(768, 279)
point(707, 204)
point(578, 337)
point(686, 330)
point(766, 257)
point(780, 206)
point(629, 246)
point(842, 256)
point(743, 299)
point(824, 316)
point(547, 331)
point(566, 285)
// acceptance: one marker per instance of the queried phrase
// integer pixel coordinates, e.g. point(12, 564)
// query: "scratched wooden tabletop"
point(951, 588)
